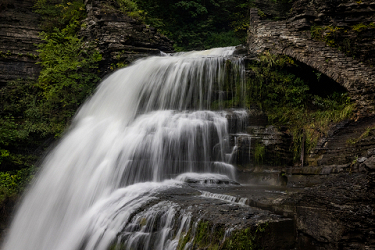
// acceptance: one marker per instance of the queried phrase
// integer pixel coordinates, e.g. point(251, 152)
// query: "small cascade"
point(148, 128)
point(224, 197)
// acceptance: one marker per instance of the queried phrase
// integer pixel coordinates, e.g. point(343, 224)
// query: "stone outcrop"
point(346, 143)
point(19, 30)
point(120, 38)
point(353, 20)
point(339, 214)
point(331, 199)
point(255, 142)
point(292, 37)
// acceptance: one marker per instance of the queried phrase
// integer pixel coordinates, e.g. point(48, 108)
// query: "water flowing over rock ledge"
point(326, 205)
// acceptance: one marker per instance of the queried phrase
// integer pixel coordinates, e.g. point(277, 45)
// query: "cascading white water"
point(146, 123)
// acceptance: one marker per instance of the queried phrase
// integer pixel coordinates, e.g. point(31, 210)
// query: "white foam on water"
point(134, 133)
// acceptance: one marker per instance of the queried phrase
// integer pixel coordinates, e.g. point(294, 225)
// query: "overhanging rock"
point(286, 37)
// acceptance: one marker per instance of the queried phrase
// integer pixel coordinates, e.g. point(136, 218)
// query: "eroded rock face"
point(341, 14)
point(292, 37)
point(19, 30)
point(346, 143)
point(339, 214)
point(120, 38)
point(255, 142)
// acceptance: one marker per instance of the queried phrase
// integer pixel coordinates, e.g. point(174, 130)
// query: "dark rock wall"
point(120, 38)
point(19, 29)
point(336, 209)
point(292, 37)
point(339, 214)
point(255, 143)
point(345, 143)
point(344, 15)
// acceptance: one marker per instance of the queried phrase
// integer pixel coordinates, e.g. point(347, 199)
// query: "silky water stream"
point(148, 128)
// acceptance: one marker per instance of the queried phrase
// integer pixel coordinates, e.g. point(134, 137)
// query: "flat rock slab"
point(215, 205)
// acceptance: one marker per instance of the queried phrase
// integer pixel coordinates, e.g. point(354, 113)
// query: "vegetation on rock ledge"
point(296, 98)
point(34, 113)
point(198, 24)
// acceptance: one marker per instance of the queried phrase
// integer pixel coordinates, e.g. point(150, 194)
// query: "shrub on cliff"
point(34, 113)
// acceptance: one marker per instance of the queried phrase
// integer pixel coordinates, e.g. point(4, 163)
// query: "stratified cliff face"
point(19, 29)
point(316, 36)
point(120, 38)
point(354, 33)
point(336, 38)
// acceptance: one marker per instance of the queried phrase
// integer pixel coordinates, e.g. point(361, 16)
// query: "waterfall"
point(146, 126)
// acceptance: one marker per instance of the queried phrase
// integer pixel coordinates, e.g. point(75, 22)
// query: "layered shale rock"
point(292, 37)
point(19, 30)
point(120, 38)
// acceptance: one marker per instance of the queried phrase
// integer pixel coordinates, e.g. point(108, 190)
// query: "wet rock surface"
point(232, 215)
point(255, 142)
point(338, 214)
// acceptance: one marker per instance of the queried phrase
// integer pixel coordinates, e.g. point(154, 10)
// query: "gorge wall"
point(293, 37)
point(338, 213)
point(19, 32)
point(120, 38)
point(335, 38)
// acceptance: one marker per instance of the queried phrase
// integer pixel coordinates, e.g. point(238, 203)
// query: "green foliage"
point(369, 131)
point(215, 39)
point(327, 34)
point(199, 24)
point(34, 112)
point(67, 77)
point(259, 152)
point(245, 239)
point(273, 87)
point(68, 73)
point(343, 38)
point(59, 13)
point(288, 101)
point(361, 27)
point(131, 8)
point(13, 182)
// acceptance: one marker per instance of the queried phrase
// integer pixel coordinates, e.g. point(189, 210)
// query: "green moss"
point(261, 13)
point(364, 135)
point(131, 8)
point(343, 38)
point(326, 34)
point(34, 112)
point(210, 237)
point(361, 27)
point(259, 152)
point(289, 102)
point(245, 239)
point(184, 240)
